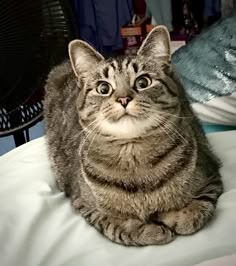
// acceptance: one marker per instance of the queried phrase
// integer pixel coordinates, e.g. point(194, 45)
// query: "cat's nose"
point(124, 101)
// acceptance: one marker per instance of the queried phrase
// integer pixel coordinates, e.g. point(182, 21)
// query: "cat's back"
point(59, 92)
point(61, 118)
point(58, 80)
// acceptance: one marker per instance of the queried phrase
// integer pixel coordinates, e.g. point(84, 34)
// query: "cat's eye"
point(104, 88)
point(142, 82)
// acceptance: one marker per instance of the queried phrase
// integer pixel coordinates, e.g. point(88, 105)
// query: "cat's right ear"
point(83, 56)
point(156, 45)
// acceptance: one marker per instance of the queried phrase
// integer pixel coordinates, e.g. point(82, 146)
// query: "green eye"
point(142, 82)
point(104, 88)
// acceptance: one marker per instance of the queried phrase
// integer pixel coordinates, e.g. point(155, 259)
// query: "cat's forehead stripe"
point(128, 64)
point(124, 63)
point(114, 65)
point(106, 71)
point(135, 67)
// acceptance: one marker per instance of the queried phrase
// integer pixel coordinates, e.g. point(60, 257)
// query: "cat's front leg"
point(129, 232)
point(190, 219)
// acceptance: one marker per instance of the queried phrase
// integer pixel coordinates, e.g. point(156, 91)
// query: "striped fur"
point(139, 174)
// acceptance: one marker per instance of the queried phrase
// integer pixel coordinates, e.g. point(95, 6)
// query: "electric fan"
point(34, 35)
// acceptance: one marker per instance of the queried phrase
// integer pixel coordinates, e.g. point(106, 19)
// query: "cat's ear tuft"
point(157, 44)
point(83, 57)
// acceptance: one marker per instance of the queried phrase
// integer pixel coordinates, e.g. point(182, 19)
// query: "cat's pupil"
point(104, 88)
point(142, 83)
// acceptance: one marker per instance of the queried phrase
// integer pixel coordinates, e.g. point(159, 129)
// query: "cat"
point(126, 146)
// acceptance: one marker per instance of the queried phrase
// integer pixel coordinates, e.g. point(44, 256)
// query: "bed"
point(38, 226)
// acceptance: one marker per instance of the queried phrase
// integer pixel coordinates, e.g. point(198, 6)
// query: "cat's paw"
point(177, 221)
point(187, 220)
point(151, 234)
point(156, 234)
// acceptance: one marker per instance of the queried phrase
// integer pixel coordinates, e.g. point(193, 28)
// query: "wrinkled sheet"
point(223, 261)
point(38, 226)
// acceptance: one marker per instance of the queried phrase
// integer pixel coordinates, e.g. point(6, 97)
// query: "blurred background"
point(34, 36)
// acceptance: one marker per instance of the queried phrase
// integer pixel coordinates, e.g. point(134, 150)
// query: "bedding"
point(225, 260)
point(39, 227)
point(206, 66)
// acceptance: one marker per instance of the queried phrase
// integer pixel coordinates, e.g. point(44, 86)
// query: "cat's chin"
point(127, 127)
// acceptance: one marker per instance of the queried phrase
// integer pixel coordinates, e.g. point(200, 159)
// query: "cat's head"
point(125, 97)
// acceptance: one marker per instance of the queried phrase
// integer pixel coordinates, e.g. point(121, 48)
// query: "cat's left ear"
point(83, 57)
point(157, 44)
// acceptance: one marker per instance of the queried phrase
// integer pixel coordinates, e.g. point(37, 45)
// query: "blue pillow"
point(207, 68)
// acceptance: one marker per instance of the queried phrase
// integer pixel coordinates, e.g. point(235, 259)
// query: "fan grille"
point(33, 38)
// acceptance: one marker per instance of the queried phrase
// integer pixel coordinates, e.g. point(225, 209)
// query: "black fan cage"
point(34, 36)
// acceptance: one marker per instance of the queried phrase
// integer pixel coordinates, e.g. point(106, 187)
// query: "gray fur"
point(138, 178)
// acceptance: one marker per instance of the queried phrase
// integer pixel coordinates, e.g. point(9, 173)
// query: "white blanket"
point(38, 226)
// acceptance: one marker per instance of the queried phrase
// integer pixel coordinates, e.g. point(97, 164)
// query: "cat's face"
point(125, 97)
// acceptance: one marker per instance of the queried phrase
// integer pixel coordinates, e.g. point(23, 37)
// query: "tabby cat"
point(126, 147)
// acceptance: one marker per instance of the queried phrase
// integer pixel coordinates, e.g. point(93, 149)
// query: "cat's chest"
point(130, 164)
point(139, 204)
point(128, 156)
point(124, 157)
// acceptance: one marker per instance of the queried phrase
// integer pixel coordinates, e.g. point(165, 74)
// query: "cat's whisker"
point(162, 127)
point(94, 131)
point(169, 114)
point(170, 127)
point(85, 129)
point(98, 132)
point(86, 138)
point(107, 108)
point(89, 125)
point(176, 116)
point(145, 105)
point(173, 127)
point(174, 130)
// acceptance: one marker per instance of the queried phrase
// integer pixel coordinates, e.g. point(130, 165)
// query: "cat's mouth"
point(126, 114)
point(125, 125)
